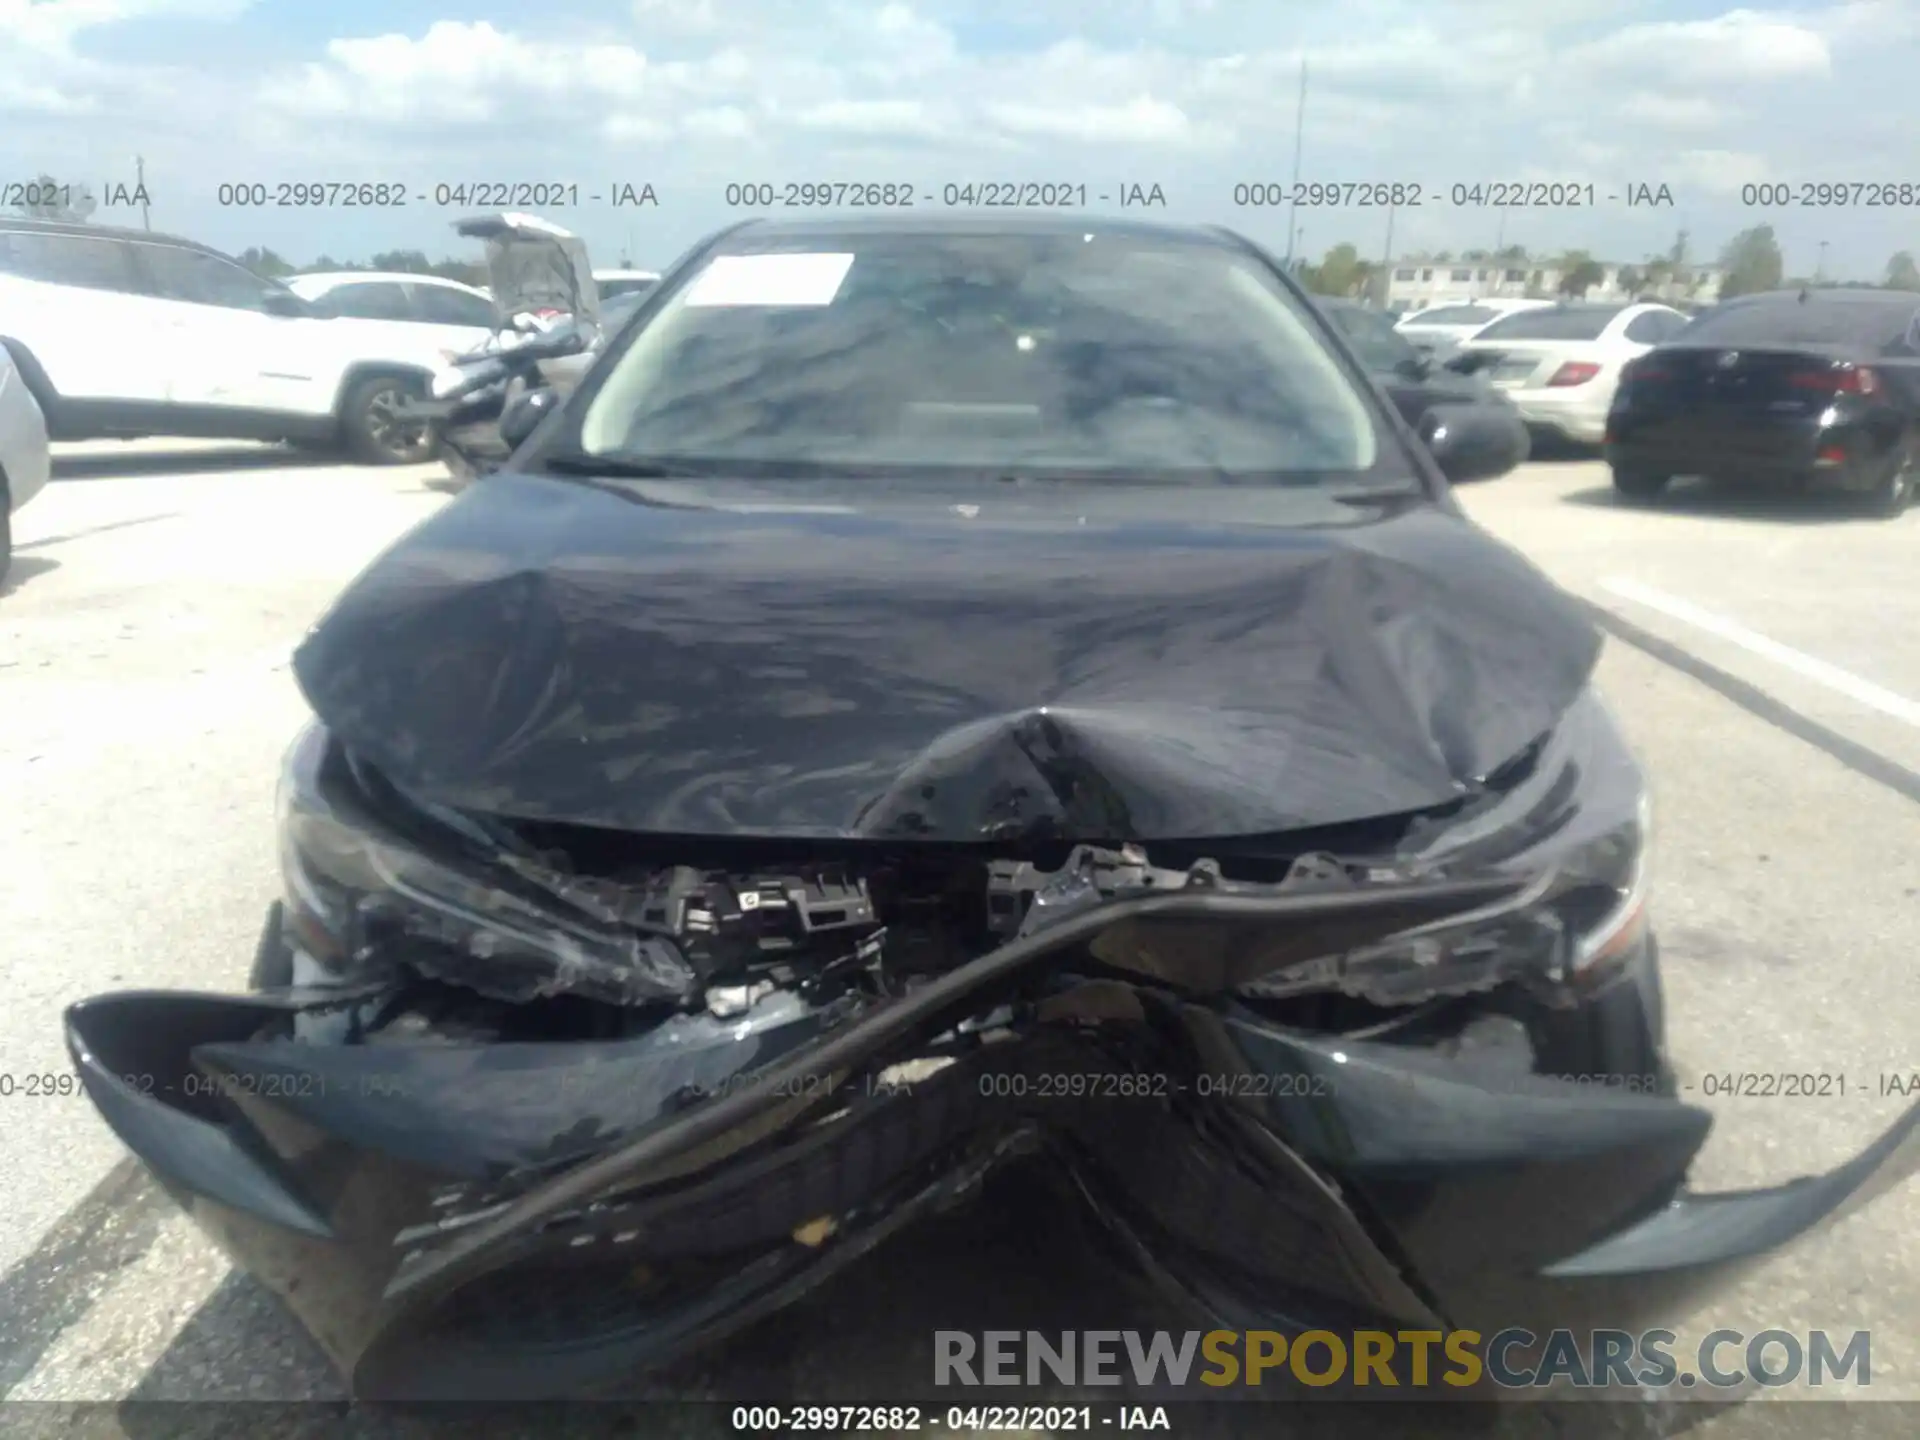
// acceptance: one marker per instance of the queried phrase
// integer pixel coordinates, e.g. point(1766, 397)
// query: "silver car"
point(23, 452)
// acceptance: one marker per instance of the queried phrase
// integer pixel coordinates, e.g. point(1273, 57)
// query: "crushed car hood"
point(1079, 664)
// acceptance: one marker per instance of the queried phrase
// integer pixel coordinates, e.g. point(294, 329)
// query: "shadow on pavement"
point(1702, 498)
point(210, 461)
point(25, 568)
point(1017, 1260)
point(1557, 449)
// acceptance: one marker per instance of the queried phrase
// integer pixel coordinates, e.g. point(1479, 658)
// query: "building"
point(1417, 284)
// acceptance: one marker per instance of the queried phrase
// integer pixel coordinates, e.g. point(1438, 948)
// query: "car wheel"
point(1639, 484)
point(1889, 499)
point(375, 430)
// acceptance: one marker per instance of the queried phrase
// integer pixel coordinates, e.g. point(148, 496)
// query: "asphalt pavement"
point(1765, 659)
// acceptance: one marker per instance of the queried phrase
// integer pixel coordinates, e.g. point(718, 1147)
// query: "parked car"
point(614, 283)
point(1561, 364)
point(923, 656)
point(124, 333)
point(24, 462)
point(1473, 430)
point(456, 316)
point(1439, 328)
point(1802, 389)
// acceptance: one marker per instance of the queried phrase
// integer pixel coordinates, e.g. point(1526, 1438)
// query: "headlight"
point(358, 897)
point(1584, 915)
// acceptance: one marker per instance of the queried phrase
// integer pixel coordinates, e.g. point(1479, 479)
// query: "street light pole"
point(140, 184)
point(1386, 261)
point(1299, 139)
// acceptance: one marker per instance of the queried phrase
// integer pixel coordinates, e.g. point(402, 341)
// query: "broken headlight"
point(1580, 824)
point(1570, 929)
point(358, 897)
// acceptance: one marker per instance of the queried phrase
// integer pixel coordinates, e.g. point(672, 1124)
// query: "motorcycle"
point(543, 289)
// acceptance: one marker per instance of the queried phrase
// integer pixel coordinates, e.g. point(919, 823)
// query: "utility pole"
point(1386, 261)
point(140, 184)
point(1299, 139)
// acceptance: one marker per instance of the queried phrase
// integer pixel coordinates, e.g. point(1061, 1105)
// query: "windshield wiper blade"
point(579, 462)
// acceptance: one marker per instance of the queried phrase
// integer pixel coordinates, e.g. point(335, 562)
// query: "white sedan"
point(24, 461)
point(1439, 328)
point(1560, 365)
point(457, 317)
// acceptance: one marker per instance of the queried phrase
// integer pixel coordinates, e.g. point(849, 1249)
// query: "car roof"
point(1010, 223)
point(626, 274)
point(86, 230)
point(1849, 295)
point(403, 277)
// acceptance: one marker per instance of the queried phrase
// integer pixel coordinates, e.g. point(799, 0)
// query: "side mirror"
point(285, 302)
point(523, 415)
point(1475, 442)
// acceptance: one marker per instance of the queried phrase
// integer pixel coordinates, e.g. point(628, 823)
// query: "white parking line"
point(1845, 682)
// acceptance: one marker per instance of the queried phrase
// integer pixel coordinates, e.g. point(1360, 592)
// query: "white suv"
point(124, 333)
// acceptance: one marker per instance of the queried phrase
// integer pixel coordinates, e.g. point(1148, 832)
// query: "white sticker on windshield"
point(771, 280)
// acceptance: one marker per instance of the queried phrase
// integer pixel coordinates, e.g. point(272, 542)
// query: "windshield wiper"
point(580, 462)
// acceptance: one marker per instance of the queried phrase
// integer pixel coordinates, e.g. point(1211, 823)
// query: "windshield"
point(1372, 336)
point(1084, 354)
point(1452, 315)
point(1575, 322)
point(1814, 321)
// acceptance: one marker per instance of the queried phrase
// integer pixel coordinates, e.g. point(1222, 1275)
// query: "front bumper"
point(542, 1220)
point(1578, 414)
point(24, 457)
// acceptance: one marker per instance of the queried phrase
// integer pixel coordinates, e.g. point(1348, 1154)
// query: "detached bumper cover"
point(539, 1220)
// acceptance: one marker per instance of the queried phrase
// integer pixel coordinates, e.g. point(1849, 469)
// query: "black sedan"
point(941, 693)
point(1474, 431)
point(1800, 389)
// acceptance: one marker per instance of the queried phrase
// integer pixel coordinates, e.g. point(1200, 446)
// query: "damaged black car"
point(941, 692)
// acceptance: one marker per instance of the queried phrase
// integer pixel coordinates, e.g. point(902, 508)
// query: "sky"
point(1194, 96)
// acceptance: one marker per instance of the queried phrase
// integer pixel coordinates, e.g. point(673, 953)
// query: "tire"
point(1639, 485)
point(1889, 499)
point(373, 434)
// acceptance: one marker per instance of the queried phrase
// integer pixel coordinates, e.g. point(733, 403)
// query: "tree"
point(1579, 273)
point(1902, 273)
point(264, 263)
point(1751, 263)
point(406, 262)
point(49, 199)
point(1341, 272)
point(1511, 252)
point(1632, 279)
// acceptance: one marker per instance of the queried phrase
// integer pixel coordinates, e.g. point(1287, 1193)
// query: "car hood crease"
point(916, 670)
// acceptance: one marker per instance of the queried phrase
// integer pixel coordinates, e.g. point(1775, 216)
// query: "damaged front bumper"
point(537, 1220)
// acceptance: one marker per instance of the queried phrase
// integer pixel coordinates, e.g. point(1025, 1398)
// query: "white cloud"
point(1678, 113)
point(1719, 172)
point(1142, 120)
point(1173, 90)
point(1741, 46)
